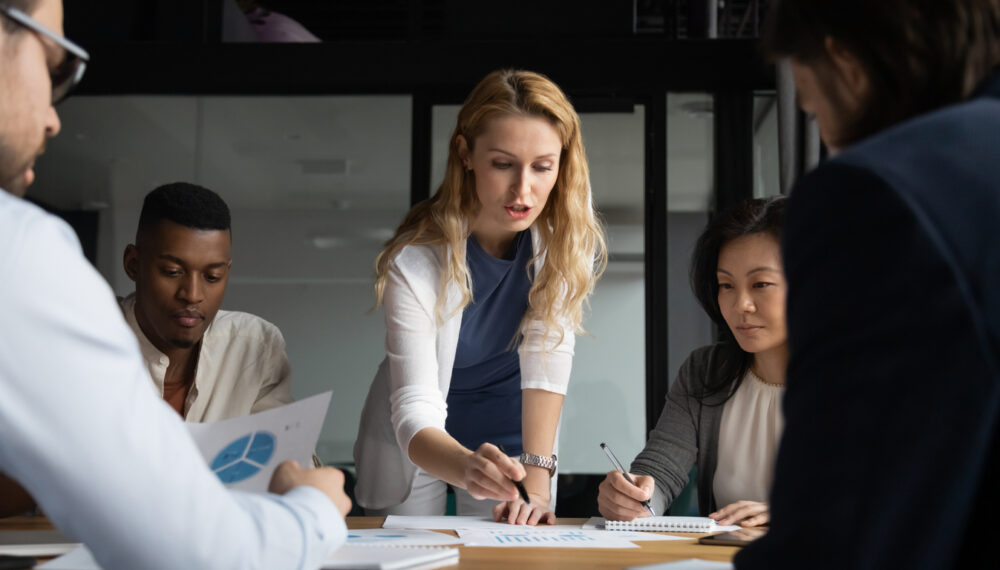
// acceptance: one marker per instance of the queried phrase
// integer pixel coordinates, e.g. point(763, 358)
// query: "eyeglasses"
point(71, 66)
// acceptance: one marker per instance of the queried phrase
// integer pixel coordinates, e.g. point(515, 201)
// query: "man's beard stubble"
point(13, 177)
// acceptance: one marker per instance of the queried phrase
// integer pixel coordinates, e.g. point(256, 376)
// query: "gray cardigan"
point(686, 433)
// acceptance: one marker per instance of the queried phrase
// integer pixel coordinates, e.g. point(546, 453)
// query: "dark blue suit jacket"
point(890, 451)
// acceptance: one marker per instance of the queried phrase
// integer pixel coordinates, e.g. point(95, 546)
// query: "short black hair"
point(185, 204)
point(755, 216)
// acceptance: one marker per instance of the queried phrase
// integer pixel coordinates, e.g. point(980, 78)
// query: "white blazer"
point(409, 390)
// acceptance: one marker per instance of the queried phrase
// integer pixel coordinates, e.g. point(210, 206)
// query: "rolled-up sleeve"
point(547, 357)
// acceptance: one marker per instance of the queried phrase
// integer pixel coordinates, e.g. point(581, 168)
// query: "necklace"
point(762, 381)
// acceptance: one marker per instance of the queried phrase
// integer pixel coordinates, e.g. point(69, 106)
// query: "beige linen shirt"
point(242, 367)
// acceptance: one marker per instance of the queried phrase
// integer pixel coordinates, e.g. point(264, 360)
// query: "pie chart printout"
point(244, 457)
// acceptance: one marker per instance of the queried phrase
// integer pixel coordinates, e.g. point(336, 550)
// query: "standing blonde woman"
point(483, 287)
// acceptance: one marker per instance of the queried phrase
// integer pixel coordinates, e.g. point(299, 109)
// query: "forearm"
point(540, 410)
point(672, 447)
point(439, 454)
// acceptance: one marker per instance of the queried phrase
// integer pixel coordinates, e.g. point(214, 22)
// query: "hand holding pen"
point(490, 474)
point(524, 511)
point(517, 483)
point(622, 497)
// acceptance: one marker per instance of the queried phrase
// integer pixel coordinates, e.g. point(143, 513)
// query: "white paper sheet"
point(640, 536)
point(366, 546)
point(551, 537)
point(79, 558)
point(399, 537)
point(244, 451)
point(364, 557)
point(689, 564)
point(445, 522)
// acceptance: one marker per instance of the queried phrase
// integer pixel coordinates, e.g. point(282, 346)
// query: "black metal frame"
point(596, 73)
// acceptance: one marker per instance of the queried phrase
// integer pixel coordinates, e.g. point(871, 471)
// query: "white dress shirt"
point(242, 366)
point(409, 390)
point(109, 462)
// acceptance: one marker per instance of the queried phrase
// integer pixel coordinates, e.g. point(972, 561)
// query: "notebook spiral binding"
point(669, 524)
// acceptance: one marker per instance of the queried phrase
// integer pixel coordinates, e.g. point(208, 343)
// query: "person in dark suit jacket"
point(890, 455)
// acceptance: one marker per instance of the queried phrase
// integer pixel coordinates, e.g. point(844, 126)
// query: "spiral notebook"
point(663, 524)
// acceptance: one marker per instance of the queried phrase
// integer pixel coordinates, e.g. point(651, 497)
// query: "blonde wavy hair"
point(572, 237)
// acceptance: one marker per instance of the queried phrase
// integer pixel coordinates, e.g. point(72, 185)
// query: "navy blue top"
point(484, 400)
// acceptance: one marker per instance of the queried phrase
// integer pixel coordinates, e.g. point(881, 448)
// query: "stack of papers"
point(483, 531)
point(398, 558)
point(404, 537)
point(35, 543)
point(689, 564)
point(362, 557)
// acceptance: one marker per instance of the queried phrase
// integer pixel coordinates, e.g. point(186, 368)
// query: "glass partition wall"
point(315, 186)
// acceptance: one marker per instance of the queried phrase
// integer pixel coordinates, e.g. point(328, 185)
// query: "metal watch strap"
point(549, 463)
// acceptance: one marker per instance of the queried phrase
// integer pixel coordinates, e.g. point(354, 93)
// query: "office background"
point(320, 149)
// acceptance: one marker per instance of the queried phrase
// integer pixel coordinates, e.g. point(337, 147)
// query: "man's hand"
point(289, 475)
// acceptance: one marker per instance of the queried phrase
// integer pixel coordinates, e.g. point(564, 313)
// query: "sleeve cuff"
point(331, 530)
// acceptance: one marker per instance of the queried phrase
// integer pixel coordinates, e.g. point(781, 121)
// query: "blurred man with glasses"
point(36, 60)
point(108, 461)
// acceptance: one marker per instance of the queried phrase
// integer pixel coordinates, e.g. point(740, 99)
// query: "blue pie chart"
point(244, 457)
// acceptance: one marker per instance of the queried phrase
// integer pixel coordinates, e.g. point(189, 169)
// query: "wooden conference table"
point(472, 557)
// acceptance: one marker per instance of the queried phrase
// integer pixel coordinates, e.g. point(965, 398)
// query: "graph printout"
point(399, 537)
point(244, 451)
point(526, 536)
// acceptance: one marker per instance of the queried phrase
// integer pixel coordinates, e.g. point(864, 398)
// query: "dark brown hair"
point(919, 55)
point(26, 6)
point(756, 216)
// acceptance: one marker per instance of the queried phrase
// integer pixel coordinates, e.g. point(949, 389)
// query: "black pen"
point(618, 466)
point(520, 486)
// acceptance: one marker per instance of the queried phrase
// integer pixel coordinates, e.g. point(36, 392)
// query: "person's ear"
point(850, 69)
point(130, 261)
point(463, 151)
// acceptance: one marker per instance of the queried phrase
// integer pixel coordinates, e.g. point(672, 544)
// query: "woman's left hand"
point(743, 513)
point(519, 512)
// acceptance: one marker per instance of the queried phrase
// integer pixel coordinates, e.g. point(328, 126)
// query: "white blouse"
point(410, 388)
point(748, 442)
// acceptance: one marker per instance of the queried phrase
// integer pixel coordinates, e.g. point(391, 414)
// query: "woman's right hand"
point(489, 472)
point(619, 500)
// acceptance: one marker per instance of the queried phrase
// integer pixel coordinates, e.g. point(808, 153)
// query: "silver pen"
point(618, 466)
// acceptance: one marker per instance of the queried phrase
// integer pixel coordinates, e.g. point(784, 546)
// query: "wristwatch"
point(549, 463)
